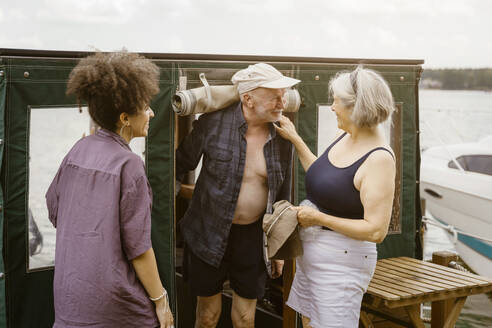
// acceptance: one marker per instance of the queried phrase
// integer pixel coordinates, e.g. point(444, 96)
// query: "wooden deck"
point(405, 283)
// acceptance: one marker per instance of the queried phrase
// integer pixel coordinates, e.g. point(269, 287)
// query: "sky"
point(444, 33)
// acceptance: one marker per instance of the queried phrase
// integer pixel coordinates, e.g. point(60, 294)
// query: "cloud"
point(354, 7)
point(334, 33)
point(458, 8)
point(89, 11)
point(450, 33)
point(25, 42)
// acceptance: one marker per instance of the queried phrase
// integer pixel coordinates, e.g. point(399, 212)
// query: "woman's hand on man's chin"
point(286, 129)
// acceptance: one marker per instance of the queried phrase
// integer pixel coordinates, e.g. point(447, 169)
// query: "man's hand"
point(277, 268)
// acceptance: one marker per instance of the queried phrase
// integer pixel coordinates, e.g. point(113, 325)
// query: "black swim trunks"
point(242, 264)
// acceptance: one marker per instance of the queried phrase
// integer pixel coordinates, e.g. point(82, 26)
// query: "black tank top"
point(332, 188)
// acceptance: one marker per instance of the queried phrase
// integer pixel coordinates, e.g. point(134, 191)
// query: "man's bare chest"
point(255, 164)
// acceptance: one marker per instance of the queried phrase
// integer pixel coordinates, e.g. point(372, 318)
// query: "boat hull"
point(467, 213)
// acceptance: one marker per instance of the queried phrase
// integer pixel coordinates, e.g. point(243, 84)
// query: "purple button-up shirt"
point(100, 203)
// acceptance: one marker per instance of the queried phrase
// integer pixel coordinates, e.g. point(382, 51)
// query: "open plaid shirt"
point(220, 138)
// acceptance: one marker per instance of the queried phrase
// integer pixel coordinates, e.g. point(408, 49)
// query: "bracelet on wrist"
point(155, 299)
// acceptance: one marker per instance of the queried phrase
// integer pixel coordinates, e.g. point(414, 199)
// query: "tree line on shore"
point(457, 79)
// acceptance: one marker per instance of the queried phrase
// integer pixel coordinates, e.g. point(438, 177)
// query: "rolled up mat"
point(212, 98)
point(292, 100)
point(194, 101)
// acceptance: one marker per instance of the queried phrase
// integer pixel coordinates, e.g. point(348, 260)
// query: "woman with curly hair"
point(349, 191)
point(100, 203)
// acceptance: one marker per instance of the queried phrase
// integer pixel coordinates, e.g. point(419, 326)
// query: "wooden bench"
point(405, 283)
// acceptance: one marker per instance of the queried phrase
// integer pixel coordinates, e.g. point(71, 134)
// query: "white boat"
point(456, 182)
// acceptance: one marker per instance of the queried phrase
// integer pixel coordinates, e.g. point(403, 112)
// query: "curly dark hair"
point(113, 83)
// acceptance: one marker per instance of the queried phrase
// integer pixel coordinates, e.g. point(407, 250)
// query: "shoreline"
point(441, 89)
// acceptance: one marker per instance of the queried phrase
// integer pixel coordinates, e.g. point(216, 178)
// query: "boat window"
point(474, 163)
point(52, 133)
point(327, 130)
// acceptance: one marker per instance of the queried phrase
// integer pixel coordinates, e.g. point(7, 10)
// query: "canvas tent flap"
point(3, 94)
point(29, 294)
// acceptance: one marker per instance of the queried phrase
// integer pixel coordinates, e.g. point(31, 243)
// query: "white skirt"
point(331, 277)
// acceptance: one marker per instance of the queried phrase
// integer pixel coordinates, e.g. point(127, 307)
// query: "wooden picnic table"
point(405, 283)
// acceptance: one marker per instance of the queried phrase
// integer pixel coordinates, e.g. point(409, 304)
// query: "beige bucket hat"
point(282, 235)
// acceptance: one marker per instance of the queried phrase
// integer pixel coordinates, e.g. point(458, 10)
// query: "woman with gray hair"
point(349, 192)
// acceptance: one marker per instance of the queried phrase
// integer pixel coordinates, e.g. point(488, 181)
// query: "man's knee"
point(207, 313)
point(243, 318)
point(207, 319)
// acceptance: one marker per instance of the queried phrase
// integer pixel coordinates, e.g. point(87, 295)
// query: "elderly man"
point(246, 168)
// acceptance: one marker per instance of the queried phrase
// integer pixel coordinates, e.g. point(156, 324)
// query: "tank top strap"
point(334, 142)
point(363, 158)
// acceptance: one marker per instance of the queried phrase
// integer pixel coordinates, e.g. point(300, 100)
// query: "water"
point(454, 117)
point(53, 132)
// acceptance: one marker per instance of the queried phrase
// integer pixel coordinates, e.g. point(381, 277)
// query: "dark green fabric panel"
point(160, 170)
point(419, 238)
point(3, 94)
point(403, 86)
point(167, 72)
point(29, 295)
point(216, 73)
point(33, 62)
point(41, 74)
point(321, 74)
point(404, 244)
point(402, 83)
point(307, 125)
